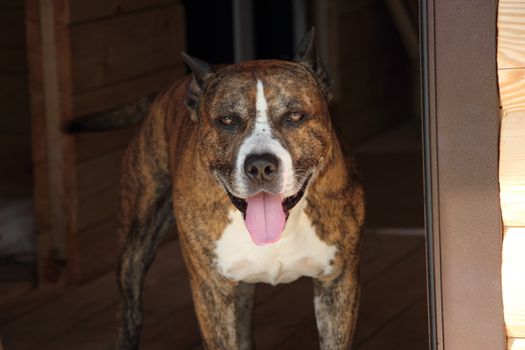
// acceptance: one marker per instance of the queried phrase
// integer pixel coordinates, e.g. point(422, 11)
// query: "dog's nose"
point(261, 167)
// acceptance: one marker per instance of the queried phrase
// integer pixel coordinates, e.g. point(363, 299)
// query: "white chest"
point(298, 253)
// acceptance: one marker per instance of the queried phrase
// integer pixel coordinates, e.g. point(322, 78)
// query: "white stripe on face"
point(262, 141)
point(261, 108)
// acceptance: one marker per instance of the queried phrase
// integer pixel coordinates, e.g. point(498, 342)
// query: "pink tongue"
point(265, 218)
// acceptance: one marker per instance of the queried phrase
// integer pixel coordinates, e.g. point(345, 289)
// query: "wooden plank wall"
point(121, 50)
point(115, 52)
point(511, 72)
point(15, 120)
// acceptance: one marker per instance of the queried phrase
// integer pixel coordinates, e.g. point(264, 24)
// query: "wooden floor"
point(392, 313)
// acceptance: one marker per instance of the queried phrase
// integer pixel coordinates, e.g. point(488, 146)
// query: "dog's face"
point(264, 133)
point(265, 127)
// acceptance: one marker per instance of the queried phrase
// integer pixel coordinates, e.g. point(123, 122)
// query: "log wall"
point(511, 71)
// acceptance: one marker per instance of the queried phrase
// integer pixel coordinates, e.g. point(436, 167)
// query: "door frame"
point(461, 125)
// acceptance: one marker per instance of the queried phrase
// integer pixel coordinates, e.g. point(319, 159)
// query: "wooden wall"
point(511, 72)
point(375, 80)
point(116, 51)
point(121, 50)
point(15, 121)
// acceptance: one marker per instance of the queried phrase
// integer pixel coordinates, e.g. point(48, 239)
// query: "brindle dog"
point(245, 158)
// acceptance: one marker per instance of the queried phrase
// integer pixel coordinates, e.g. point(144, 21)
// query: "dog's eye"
point(295, 117)
point(226, 120)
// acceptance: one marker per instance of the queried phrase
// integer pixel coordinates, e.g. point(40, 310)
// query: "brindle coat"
point(171, 167)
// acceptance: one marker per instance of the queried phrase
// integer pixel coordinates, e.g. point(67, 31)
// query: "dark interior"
point(370, 51)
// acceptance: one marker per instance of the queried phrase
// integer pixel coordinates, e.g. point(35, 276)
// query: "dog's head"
point(265, 132)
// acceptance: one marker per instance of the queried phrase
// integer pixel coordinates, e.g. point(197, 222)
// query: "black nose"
point(261, 167)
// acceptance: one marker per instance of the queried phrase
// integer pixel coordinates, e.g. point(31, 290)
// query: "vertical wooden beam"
point(327, 27)
point(53, 150)
point(243, 30)
point(300, 21)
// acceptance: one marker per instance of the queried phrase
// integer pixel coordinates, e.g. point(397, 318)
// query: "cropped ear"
point(201, 72)
point(306, 54)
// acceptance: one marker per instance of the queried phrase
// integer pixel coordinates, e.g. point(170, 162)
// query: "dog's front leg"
point(244, 296)
point(223, 310)
point(146, 212)
point(142, 232)
point(336, 304)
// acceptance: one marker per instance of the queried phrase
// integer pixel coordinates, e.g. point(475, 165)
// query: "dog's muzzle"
point(265, 213)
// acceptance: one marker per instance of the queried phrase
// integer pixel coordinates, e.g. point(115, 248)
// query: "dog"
point(244, 159)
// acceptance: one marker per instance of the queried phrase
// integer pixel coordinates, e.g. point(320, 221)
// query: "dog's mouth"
point(287, 204)
point(265, 214)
